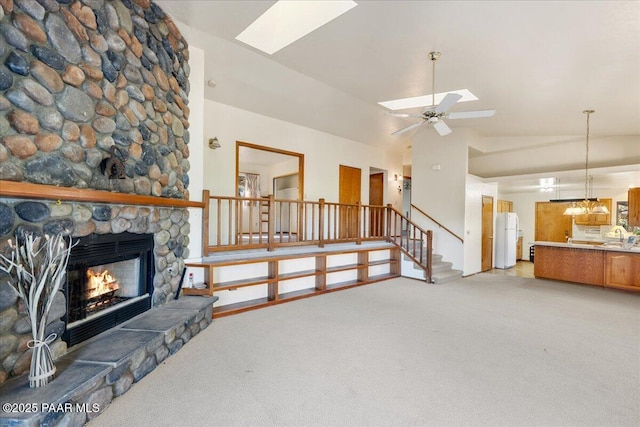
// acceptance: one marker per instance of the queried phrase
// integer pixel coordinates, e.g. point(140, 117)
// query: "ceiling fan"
point(434, 114)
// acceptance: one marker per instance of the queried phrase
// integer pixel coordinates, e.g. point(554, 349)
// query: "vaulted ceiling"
point(539, 64)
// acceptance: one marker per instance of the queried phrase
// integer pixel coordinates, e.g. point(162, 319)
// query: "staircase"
point(441, 270)
point(415, 243)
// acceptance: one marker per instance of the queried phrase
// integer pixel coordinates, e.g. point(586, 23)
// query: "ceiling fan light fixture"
point(434, 113)
point(435, 55)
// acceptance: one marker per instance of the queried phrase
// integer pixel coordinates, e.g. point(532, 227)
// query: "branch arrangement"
point(37, 266)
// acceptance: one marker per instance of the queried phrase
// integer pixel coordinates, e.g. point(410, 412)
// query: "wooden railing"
point(242, 223)
point(415, 242)
point(437, 223)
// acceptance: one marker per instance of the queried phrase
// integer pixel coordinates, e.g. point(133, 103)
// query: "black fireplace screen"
point(109, 281)
point(96, 288)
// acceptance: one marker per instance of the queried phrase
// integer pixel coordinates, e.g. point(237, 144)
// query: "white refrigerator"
point(506, 239)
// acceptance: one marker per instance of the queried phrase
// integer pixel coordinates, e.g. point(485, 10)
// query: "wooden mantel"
point(25, 190)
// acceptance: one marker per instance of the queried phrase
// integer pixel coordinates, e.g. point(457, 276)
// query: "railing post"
point(239, 222)
point(321, 223)
point(429, 252)
point(205, 222)
point(271, 227)
point(388, 214)
point(359, 223)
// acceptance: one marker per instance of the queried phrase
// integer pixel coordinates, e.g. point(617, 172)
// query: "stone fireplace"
point(165, 229)
point(94, 138)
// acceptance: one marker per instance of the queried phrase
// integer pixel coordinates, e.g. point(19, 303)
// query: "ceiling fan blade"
point(407, 129)
point(471, 114)
point(442, 128)
point(418, 116)
point(447, 102)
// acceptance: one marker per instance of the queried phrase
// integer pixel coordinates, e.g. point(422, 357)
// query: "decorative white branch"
point(37, 267)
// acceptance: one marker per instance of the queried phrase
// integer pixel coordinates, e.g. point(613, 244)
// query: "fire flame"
point(100, 283)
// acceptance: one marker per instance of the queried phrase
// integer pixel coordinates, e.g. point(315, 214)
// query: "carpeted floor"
point(488, 350)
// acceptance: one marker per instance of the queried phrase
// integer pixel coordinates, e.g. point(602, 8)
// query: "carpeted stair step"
point(442, 266)
point(446, 276)
point(441, 270)
point(435, 258)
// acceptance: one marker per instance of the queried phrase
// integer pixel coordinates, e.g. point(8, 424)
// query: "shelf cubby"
point(294, 276)
point(235, 284)
point(302, 293)
point(298, 274)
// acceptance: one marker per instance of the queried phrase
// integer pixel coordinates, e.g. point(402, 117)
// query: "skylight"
point(424, 100)
point(287, 21)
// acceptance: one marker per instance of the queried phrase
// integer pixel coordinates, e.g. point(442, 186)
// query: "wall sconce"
point(395, 177)
point(213, 143)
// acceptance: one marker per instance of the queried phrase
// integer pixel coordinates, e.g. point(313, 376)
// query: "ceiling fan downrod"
point(433, 56)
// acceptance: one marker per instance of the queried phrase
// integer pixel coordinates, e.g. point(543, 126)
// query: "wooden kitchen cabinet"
point(569, 264)
point(505, 206)
point(634, 206)
point(596, 219)
point(519, 249)
point(551, 225)
point(622, 270)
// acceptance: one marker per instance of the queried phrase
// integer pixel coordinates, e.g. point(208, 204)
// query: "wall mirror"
point(269, 171)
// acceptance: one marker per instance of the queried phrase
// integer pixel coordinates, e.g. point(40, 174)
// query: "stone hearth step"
point(90, 376)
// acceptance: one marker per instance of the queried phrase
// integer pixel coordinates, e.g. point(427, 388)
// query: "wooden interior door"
point(376, 198)
point(487, 233)
point(551, 225)
point(505, 206)
point(350, 192)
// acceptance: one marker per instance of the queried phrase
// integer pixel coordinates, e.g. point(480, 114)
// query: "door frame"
point(487, 235)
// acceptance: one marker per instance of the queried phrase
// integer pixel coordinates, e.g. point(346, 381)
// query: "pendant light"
point(588, 205)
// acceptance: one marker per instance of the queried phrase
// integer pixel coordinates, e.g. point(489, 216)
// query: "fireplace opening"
point(109, 281)
point(99, 287)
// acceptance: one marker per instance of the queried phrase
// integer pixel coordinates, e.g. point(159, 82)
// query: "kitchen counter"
point(599, 246)
point(605, 265)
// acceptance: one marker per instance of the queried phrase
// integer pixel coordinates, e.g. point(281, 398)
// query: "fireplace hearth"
point(109, 281)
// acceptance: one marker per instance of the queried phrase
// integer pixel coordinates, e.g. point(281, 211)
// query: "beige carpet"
point(488, 350)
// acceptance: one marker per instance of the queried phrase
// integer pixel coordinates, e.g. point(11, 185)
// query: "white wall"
point(324, 153)
point(441, 193)
point(196, 147)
